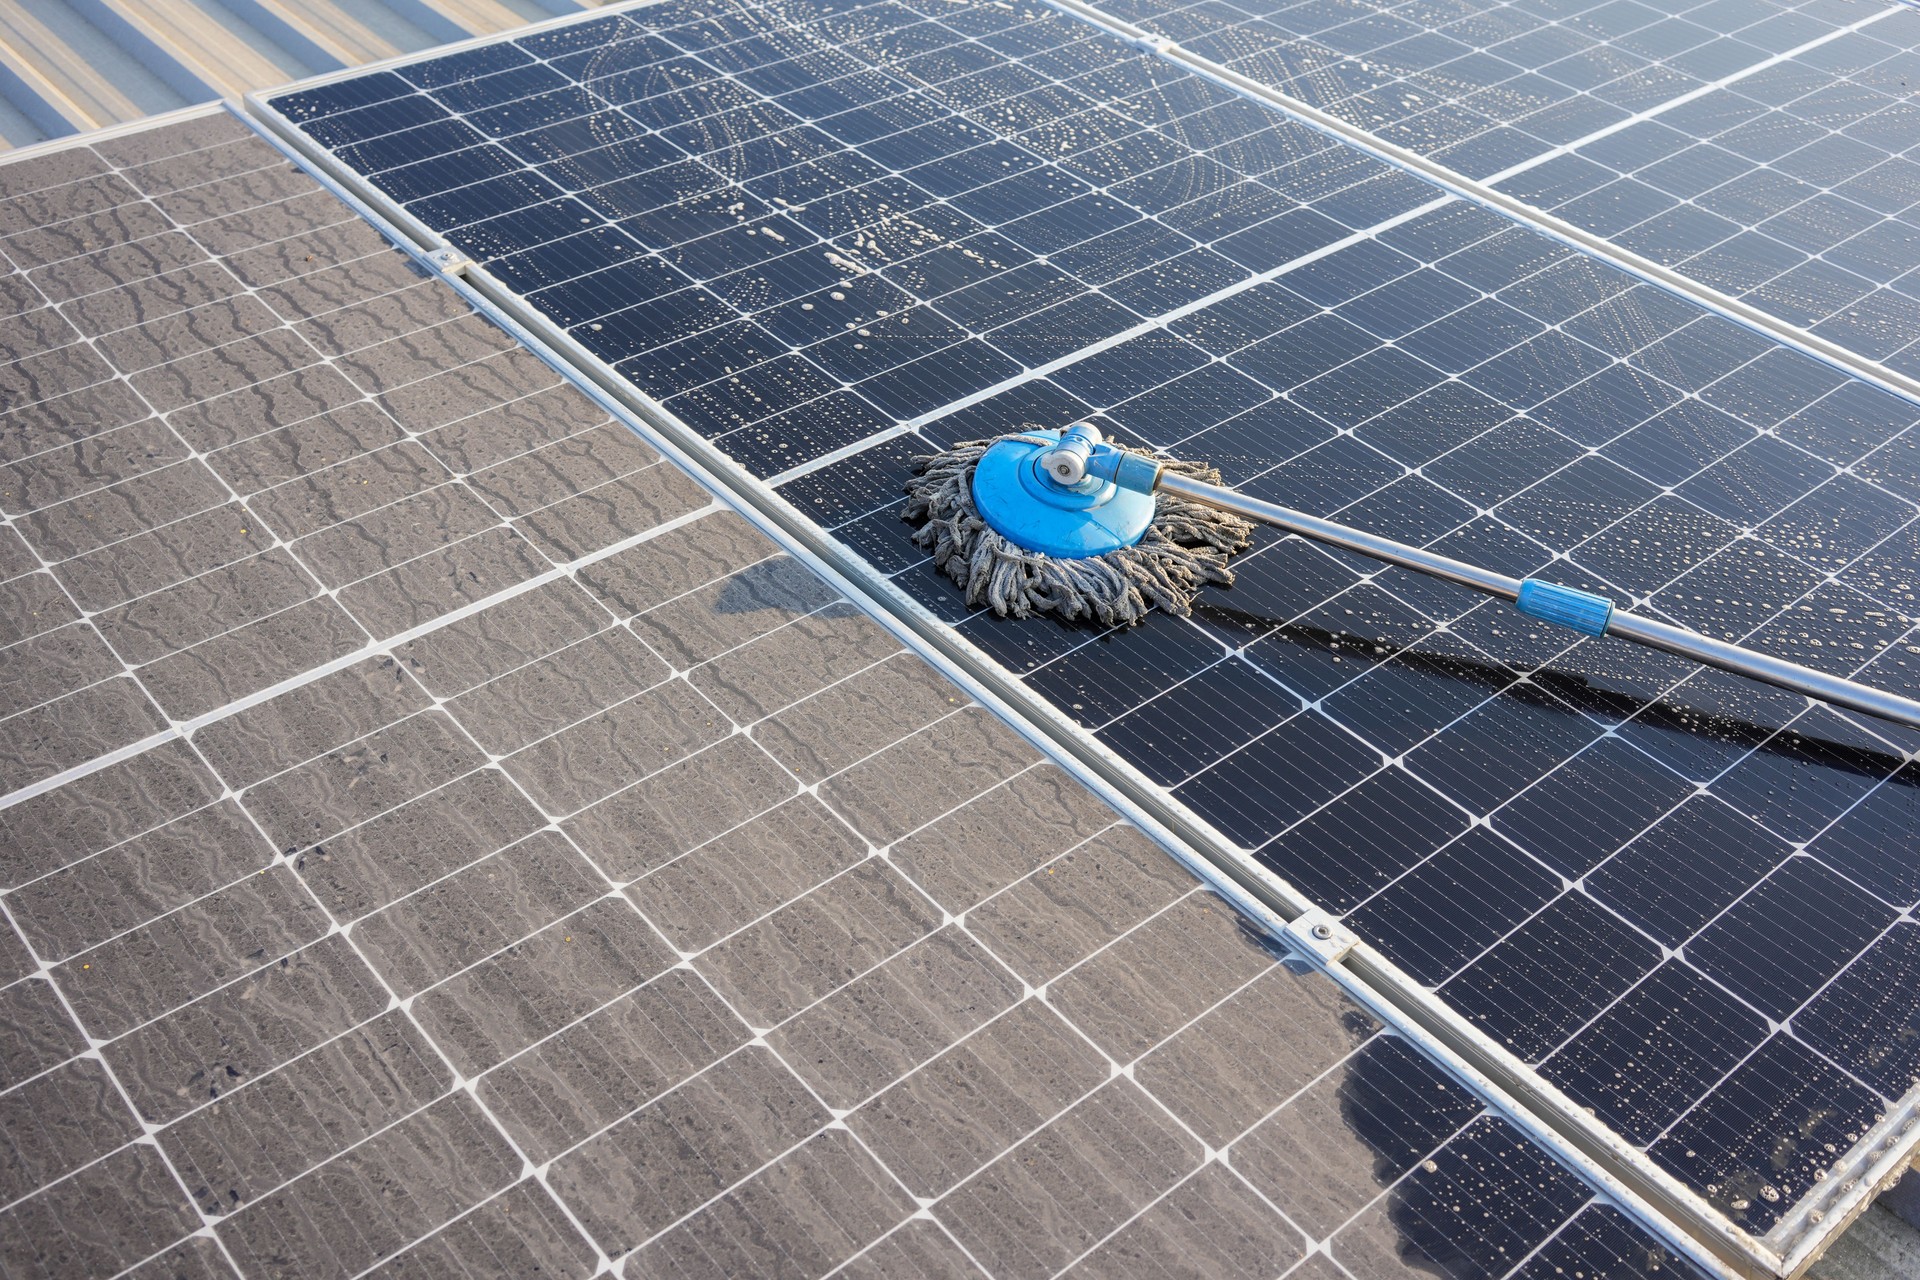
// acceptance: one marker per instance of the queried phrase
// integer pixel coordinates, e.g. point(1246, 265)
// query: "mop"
point(1067, 523)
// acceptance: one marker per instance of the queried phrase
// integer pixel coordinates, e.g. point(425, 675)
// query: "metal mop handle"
point(1580, 610)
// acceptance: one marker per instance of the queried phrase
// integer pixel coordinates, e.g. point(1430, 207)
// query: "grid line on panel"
point(1694, 94)
point(1508, 51)
point(295, 765)
point(1144, 327)
point(330, 590)
point(1676, 481)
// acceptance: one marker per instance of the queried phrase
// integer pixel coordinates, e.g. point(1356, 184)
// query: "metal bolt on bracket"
point(1321, 936)
point(449, 262)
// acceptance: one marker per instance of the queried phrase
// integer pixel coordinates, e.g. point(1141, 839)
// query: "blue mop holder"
point(1020, 501)
point(1565, 606)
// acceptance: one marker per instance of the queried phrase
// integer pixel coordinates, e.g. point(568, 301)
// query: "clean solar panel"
point(865, 231)
point(1759, 149)
point(1483, 87)
point(1788, 189)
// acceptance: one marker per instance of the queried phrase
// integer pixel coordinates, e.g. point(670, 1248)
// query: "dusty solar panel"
point(1684, 900)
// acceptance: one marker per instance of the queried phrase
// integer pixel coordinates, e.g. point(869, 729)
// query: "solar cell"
point(830, 237)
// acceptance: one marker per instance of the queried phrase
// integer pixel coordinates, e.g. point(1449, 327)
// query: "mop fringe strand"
point(1184, 549)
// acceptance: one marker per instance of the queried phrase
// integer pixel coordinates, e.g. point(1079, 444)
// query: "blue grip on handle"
point(1136, 473)
point(1126, 470)
point(1551, 602)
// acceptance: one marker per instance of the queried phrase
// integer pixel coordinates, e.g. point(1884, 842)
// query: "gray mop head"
point(1184, 549)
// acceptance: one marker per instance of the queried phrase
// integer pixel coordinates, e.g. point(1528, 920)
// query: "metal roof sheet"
point(67, 66)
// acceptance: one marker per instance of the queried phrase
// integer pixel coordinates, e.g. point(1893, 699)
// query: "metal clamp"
point(449, 262)
point(1321, 936)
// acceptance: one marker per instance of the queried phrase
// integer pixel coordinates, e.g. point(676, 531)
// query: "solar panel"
point(829, 237)
point(1758, 149)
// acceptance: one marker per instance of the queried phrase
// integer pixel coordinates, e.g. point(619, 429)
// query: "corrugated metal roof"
point(67, 66)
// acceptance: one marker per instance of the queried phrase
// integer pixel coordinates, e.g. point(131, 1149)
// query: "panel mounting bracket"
point(1321, 936)
point(449, 262)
